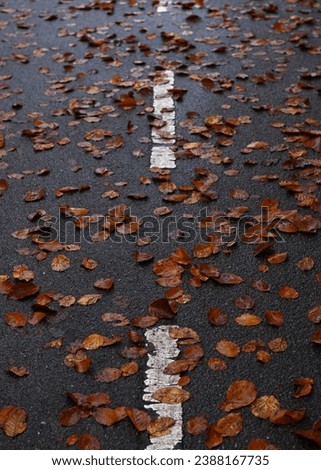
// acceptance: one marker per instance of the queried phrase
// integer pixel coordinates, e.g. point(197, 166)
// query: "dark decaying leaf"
point(217, 317)
point(109, 374)
point(161, 309)
point(288, 416)
point(304, 386)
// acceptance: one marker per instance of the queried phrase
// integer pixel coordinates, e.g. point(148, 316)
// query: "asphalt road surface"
point(159, 206)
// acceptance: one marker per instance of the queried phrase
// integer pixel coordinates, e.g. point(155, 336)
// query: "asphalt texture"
point(239, 59)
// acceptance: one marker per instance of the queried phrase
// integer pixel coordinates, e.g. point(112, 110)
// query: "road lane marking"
point(165, 350)
point(162, 156)
point(163, 6)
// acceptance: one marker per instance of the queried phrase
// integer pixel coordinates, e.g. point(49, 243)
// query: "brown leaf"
point(203, 250)
point(18, 371)
point(15, 319)
point(109, 416)
point(314, 314)
point(260, 285)
point(161, 426)
point(130, 368)
point(304, 387)
point(311, 435)
point(60, 263)
point(142, 257)
point(178, 366)
point(216, 363)
point(194, 352)
point(287, 292)
point(240, 393)
point(277, 258)
point(274, 317)
point(316, 337)
point(88, 442)
point(133, 352)
point(67, 301)
point(248, 319)
point(227, 348)
point(89, 299)
point(70, 416)
point(230, 425)
point(80, 361)
point(260, 444)
point(278, 345)
point(213, 438)
point(35, 195)
point(171, 395)
point(89, 263)
point(229, 278)
point(161, 309)
point(13, 420)
point(104, 284)
point(217, 317)
point(265, 406)
point(197, 425)
point(109, 374)
point(167, 268)
point(306, 264)
point(21, 290)
point(95, 341)
point(117, 319)
point(288, 416)
point(140, 419)
point(161, 211)
point(184, 335)
point(23, 273)
point(245, 302)
point(240, 194)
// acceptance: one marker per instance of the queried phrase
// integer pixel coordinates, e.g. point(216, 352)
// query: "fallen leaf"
point(13, 420)
point(217, 317)
point(60, 263)
point(96, 341)
point(104, 284)
point(161, 426)
point(109, 374)
point(18, 371)
point(88, 442)
point(288, 416)
point(161, 309)
point(36, 195)
point(15, 319)
point(171, 395)
point(89, 299)
point(240, 393)
point(140, 419)
point(287, 292)
point(196, 425)
point(265, 407)
point(274, 317)
point(110, 416)
point(230, 425)
point(227, 348)
point(213, 438)
point(304, 386)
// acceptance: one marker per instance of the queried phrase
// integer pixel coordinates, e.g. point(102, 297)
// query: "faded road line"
point(165, 350)
point(163, 6)
point(162, 155)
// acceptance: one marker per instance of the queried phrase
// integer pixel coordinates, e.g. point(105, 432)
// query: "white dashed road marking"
point(163, 6)
point(162, 155)
point(165, 350)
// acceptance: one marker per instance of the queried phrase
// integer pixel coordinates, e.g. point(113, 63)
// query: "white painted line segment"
point(163, 6)
point(164, 109)
point(165, 350)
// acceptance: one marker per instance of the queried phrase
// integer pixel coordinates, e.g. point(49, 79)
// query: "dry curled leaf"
point(110, 416)
point(104, 284)
point(304, 386)
point(217, 317)
point(306, 263)
point(314, 314)
point(274, 317)
point(240, 393)
point(60, 263)
point(109, 374)
point(18, 371)
point(36, 195)
point(288, 416)
point(216, 363)
point(260, 444)
point(95, 341)
point(89, 299)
